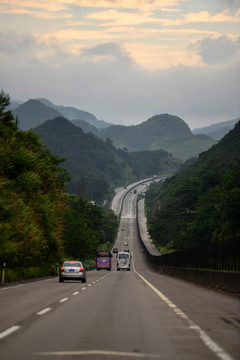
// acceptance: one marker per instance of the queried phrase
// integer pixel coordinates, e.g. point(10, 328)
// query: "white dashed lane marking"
point(44, 311)
point(9, 331)
point(63, 300)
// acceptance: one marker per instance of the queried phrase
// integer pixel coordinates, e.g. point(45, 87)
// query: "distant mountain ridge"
point(95, 164)
point(165, 131)
point(218, 130)
point(35, 112)
point(72, 113)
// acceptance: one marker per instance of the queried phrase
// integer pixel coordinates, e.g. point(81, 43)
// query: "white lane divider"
point(14, 328)
point(63, 300)
point(44, 311)
point(9, 331)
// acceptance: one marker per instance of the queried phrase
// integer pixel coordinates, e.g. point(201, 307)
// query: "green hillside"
point(96, 165)
point(166, 132)
point(92, 163)
point(200, 205)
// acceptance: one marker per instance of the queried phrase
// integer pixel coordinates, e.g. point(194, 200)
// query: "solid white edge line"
point(100, 352)
point(44, 311)
point(9, 331)
point(212, 345)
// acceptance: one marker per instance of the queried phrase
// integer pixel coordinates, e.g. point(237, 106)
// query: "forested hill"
point(92, 163)
point(167, 132)
point(200, 205)
point(33, 113)
point(95, 164)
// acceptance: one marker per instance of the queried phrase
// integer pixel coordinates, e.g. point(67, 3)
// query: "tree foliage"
point(201, 204)
point(32, 200)
point(40, 223)
point(87, 227)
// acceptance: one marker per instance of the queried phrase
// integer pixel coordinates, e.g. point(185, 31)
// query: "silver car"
point(72, 270)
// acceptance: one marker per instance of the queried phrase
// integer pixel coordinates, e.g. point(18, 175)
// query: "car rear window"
point(123, 256)
point(72, 263)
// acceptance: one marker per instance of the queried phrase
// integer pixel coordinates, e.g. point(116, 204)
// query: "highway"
point(137, 314)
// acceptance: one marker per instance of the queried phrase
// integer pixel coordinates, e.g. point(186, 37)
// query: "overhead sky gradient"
point(125, 60)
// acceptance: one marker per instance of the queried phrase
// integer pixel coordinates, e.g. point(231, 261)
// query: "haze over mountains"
point(96, 165)
point(100, 156)
point(164, 131)
point(167, 132)
point(217, 131)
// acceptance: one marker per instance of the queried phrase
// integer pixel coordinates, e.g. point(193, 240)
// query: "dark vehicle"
point(134, 191)
point(115, 251)
point(72, 270)
point(103, 260)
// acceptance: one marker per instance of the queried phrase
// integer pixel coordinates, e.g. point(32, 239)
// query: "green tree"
point(32, 200)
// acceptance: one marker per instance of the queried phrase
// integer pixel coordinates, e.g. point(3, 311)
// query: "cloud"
point(217, 50)
point(106, 81)
point(128, 4)
point(107, 51)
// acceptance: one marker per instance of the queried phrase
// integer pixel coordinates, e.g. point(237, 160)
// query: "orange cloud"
point(128, 4)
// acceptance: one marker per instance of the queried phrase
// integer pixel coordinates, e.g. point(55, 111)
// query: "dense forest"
point(40, 223)
point(200, 205)
point(96, 166)
point(164, 131)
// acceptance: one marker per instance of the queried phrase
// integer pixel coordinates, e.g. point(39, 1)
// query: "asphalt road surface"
point(137, 314)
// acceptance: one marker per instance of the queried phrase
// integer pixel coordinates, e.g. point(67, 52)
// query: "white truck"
point(123, 261)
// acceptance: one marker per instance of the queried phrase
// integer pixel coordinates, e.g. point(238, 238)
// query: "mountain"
point(92, 163)
point(218, 130)
point(201, 204)
point(33, 113)
point(36, 111)
point(14, 104)
point(96, 165)
point(165, 131)
point(72, 113)
point(86, 126)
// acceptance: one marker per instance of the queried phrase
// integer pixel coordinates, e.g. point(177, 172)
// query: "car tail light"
point(62, 268)
point(81, 268)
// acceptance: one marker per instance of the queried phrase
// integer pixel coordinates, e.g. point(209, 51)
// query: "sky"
point(125, 60)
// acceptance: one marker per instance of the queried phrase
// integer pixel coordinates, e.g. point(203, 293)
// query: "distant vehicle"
point(125, 186)
point(125, 244)
point(135, 191)
point(123, 261)
point(126, 250)
point(115, 251)
point(72, 270)
point(103, 260)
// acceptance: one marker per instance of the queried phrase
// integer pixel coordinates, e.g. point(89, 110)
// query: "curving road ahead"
point(119, 315)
